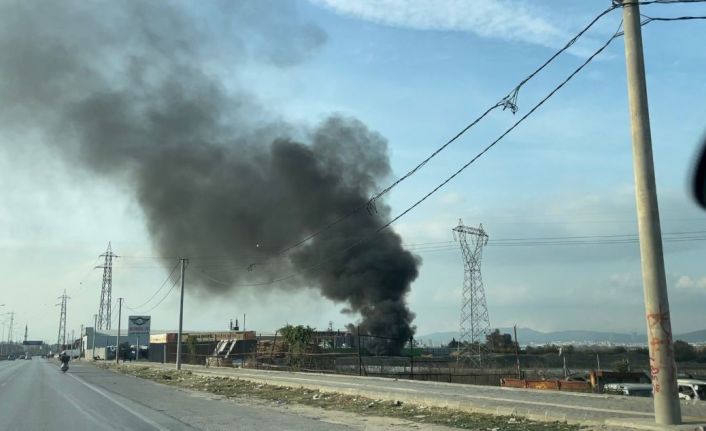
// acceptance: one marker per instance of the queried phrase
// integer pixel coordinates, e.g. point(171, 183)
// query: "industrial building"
point(102, 342)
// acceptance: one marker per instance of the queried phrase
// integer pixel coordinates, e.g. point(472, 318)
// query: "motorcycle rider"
point(64, 358)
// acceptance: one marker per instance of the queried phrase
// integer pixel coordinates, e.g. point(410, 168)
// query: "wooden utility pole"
point(659, 328)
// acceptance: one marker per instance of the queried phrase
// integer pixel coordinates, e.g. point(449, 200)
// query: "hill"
point(531, 336)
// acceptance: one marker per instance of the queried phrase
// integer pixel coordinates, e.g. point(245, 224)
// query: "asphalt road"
point(35, 396)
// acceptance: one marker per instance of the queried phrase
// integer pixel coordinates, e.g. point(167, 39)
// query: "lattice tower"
point(61, 338)
point(104, 308)
point(475, 323)
point(12, 325)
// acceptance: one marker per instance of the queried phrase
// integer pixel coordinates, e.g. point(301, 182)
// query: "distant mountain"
point(437, 338)
point(693, 337)
point(531, 336)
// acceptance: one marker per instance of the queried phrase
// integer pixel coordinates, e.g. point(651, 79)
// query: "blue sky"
point(417, 72)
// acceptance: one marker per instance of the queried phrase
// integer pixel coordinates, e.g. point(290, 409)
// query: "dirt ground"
point(361, 407)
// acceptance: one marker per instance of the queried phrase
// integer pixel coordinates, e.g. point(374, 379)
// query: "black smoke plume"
point(136, 91)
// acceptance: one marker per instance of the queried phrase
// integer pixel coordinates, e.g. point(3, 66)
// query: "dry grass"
point(239, 388)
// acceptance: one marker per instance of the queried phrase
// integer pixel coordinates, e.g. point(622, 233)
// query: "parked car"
point(11, 357)
point(692, 389)
point(629, 389)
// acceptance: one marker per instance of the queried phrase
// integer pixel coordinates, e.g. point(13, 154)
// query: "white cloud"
point(686, 282)
point(451, 199)
point(499, 19)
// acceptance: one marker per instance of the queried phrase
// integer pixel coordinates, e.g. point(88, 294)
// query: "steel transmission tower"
point(475, 323)
point(61, 338)
point(106, 289)
point(9, 330)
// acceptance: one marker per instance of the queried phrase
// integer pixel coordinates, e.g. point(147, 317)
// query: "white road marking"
point(126, 408)
point(83, 412)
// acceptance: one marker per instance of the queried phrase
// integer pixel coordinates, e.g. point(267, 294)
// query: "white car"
point(629, 389)
point(692, 389)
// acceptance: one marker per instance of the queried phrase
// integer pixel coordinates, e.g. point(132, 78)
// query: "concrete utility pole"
point(181, 314)
point(117, 340)
point(659, 327)
point(95, 322)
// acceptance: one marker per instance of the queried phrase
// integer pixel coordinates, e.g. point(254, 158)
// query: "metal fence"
point(337, 353)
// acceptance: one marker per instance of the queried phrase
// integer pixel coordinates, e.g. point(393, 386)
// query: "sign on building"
point(138, 325)
point(32, 343)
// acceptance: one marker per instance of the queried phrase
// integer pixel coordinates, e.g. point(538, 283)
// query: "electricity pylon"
point(104, 308)
point(475, 323)
point(61, 338)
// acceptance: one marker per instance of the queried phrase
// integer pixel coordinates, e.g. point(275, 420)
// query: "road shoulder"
point(356, 411)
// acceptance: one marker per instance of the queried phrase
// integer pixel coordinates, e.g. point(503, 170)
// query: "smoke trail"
point(134, 91)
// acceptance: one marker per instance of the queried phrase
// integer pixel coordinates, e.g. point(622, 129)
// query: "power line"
point(665, 234)
point(649, 2)
point(635, 240)
point(171, 289)
point(89, 271)
point(649, 19)
point(465, 166)
point(447, 180)
point(510, 242)
point(507, 102)
point(169, 277)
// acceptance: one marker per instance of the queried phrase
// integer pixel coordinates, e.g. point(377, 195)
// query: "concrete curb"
point(650, 425)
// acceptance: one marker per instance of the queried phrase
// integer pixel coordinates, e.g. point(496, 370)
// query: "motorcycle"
point(64, 367)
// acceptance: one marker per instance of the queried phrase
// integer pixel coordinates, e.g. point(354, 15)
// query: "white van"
point(692, 389)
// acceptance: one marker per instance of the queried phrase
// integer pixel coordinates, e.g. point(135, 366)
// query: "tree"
point(497, 342)
point(191, 348)
point(621, 366)
point(298, 338)
point(453, 344)
point(684, 351)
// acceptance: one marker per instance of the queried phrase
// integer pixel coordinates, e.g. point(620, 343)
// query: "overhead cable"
point(447, 180)
point(171, 289)
point(507, 102)
point(169, 277)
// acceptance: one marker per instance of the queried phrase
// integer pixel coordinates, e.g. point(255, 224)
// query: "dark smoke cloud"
point(135, 92)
